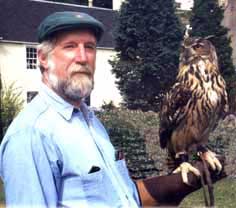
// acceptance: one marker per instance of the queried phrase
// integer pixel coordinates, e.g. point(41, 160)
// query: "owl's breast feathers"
point(194, 104)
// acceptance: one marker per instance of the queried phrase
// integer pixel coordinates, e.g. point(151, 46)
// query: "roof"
point(20, 19)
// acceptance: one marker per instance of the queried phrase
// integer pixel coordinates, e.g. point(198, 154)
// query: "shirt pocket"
point(85, 188)
point(98, 187)
point(92, 183)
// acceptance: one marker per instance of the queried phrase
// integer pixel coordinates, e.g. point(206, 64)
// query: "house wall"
point(117, 4)
point(105, 89)
point(13, 69)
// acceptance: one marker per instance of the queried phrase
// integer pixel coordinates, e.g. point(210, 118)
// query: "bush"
point(11, 104)
point(222, 141)
point(136, 133)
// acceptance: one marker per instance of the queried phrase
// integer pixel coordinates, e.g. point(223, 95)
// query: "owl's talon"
point(212, 160)
point(185, 168)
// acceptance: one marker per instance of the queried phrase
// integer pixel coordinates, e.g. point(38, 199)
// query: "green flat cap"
point(68, 20)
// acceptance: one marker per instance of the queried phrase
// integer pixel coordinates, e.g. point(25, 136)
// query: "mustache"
point(83, 69)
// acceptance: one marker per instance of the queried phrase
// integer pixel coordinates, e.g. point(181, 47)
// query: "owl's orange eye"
point(197, 46)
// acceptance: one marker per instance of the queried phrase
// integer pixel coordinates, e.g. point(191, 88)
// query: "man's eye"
point(90, 46)
point(70, 46)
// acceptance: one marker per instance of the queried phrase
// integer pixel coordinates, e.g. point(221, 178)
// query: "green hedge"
point(223, 141)
point(136, 133)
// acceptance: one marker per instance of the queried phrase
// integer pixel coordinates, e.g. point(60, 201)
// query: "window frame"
point(31, 57)
point(30, 95)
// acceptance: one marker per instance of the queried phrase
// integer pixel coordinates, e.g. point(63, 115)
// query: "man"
point(56, 153)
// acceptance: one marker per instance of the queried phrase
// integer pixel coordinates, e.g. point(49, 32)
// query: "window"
point(31, 95)
point(31, 57)
point(96, 3)
point(103, 3)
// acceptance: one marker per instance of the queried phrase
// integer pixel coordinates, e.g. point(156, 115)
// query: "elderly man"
point(56, 153)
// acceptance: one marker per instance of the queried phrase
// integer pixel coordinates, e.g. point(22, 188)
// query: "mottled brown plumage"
point(195, 103)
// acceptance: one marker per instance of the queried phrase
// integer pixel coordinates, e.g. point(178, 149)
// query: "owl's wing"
point(173, 111)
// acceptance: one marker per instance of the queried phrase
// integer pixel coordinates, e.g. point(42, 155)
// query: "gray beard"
point(71, 89)
point(76, 92)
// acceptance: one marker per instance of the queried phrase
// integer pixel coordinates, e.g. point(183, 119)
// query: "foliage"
point(206, 20)
point(222, 141)
point(2, 194)
point(224, 192)
point(136, 133)
point(108, 106)
point(11, 104)
point(184, 16)
point(147, 38)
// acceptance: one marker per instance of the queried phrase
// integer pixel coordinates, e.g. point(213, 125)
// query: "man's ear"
point(43, 59)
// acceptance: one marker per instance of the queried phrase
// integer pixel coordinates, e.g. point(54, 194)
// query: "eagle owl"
point(193, 106)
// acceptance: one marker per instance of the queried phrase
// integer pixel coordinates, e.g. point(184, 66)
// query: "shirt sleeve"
point(26, 172)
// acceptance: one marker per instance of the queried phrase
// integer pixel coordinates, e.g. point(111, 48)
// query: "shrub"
point(11, 104)
point(136, 133)
point(222, 141)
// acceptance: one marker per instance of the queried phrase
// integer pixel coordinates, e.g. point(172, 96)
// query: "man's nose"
point(80, 55)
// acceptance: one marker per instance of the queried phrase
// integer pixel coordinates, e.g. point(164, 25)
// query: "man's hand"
point(170, 190)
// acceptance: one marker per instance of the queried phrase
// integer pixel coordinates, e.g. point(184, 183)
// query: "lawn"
point(225, 196)
point(1, 195)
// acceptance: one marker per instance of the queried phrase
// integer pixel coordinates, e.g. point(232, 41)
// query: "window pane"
point(31, 95)
point(31, 57)
point(103, 3)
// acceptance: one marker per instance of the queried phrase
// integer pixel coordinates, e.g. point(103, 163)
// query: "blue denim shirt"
point(52, 156)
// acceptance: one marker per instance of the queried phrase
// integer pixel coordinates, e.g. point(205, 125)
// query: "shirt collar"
point(61, 106)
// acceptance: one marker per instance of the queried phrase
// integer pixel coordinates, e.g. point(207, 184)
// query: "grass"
point(224, 192)
point(2, 196)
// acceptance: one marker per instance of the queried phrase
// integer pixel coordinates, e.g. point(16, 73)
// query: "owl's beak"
point(187, 56)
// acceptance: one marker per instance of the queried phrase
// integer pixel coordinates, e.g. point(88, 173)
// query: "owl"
point(193, 106)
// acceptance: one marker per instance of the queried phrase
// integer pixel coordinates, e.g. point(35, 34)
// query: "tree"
point(147, 38)
point(206, 20)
